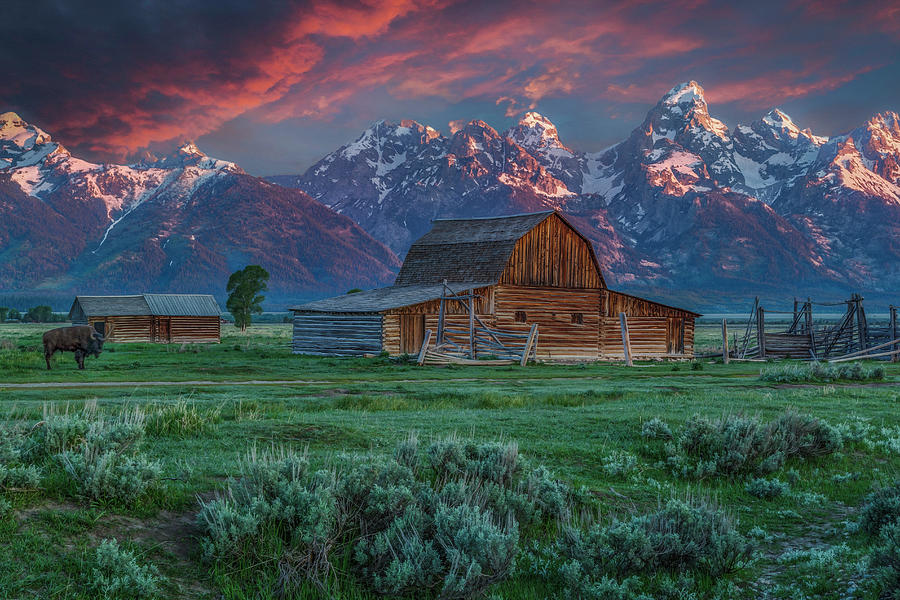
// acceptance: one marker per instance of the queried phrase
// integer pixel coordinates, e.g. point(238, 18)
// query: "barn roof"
point(463, 250)
point(373, 301)
point(171, 305)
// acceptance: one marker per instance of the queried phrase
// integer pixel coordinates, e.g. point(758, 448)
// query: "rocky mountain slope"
point(683, 202)
point(178, 223)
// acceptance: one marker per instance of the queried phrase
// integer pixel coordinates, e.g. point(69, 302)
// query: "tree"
point(244, 297)
point(4, 312)
point(14, 315)
point(39, 314)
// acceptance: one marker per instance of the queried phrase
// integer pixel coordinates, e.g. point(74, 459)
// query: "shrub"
point(444, 518)
point(109, 476)
point(619, 464)
point(881, 507)
point(118, 575)
point(696, 365)
point(656, 429)
point(766, 489)
point(884, 560)
point(681, 536)
point(20, 477)
point(735, 445)
point(819, 373)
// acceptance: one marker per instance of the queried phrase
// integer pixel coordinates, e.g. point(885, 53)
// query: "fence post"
point(725, 341)
point(472, 321)
point(424, 351)
point(761, 331)
point(895, 357)
point(862, 323)
point(796, 321)
point(626, 340)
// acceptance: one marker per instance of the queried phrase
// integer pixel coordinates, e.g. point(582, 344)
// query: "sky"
point(276, 85)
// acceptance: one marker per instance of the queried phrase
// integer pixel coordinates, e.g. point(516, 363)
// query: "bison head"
point(96, 344)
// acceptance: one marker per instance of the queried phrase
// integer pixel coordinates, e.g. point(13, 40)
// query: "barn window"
point(578, 318)
point(521, 317)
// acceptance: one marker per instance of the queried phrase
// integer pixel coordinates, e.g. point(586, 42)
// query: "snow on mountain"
point(160, 224)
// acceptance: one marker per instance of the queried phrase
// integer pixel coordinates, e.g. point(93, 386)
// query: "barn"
point(517, 271)
point(159, 318)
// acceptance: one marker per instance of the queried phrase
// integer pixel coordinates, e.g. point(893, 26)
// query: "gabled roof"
point(461, 250)
point(373, 301)
point(171, 305)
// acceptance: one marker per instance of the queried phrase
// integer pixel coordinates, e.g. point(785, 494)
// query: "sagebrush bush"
point(681, 536)
point(19, 477)
point(109, 476)
point(884, 560)
point(881, 507)
point(820, 373)
point(445, 517)
point(766, 489)
point(118, 575)
point(619, 464)
point(656, 429)
point(737, 445)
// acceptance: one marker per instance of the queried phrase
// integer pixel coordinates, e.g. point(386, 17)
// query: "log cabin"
point(522, 269)
point(155, 318)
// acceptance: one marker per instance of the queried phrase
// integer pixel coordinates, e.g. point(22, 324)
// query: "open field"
point(583, 422)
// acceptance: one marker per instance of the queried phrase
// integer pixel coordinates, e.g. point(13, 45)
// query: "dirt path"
point(252, 382)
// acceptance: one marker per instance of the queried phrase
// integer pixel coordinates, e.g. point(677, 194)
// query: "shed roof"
point(373, 301)
point(463, 250)
point(172, 305)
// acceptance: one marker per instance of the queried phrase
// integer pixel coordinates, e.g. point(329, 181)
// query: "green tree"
point(244, 294)
point(39, 314)
point(4, 312)
point(14, 315)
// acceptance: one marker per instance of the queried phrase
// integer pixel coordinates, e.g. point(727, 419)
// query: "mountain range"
point(683, 208)
point(180, 223)
point(683, 205)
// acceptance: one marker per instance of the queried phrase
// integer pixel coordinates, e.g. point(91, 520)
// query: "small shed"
point(520, 271)
point(155, 318)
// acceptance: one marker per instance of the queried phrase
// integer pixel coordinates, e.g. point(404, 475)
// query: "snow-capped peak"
point(537, 133)
point(14, 129)
point(685, 93)
point(783, 126)
point(190, 149)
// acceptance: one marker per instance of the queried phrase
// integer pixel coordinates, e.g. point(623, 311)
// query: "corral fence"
point(807, 337)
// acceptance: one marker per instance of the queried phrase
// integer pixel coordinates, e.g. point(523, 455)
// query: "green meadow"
point(618, 440)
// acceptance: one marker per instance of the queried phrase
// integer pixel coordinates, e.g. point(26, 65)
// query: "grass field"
point(583, 422)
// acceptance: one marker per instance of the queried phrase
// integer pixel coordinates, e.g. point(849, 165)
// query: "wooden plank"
point(893, 342)
point(626, 342)
point(761, 331)
point(526, 354)
point(424, 349)
point(894, 334)
point(725, 356)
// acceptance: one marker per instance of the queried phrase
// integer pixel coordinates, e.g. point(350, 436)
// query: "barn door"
point(165, 330)
point(100, 327)
point(412, 333)
point(675, 336)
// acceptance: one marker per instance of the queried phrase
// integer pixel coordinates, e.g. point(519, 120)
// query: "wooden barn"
point(517, 271)
point(159, 318)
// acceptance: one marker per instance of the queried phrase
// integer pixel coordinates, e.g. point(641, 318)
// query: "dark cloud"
point(109, 80)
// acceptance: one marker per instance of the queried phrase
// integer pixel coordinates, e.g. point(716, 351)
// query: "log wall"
point(126, 329)
point(560, 336)
point(148, 329)
point(552, 254)
point(194, 330)
point(341, 335)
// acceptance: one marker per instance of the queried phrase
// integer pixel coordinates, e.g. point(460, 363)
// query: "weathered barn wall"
point(125, 329)
point(568, 319)
point(194, 330)
point(552, 254)
point(332, 334)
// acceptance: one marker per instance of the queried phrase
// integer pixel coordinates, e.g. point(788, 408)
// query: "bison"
point(80, 339)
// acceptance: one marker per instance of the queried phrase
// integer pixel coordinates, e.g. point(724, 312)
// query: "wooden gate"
point(412, 333)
